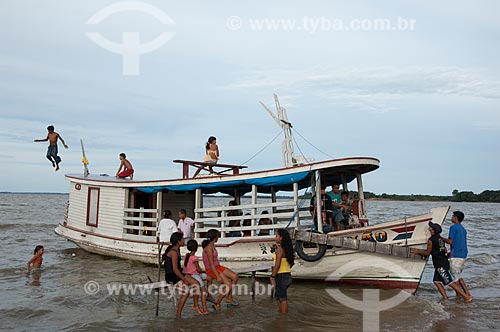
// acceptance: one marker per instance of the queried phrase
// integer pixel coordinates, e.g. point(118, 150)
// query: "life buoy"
point(299, 248)
point(78, 186)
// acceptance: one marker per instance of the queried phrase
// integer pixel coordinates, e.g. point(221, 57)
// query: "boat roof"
point(280, 179)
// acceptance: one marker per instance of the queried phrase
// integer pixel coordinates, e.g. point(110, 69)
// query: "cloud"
point(374, 88)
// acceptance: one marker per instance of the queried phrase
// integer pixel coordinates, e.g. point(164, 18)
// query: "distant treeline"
point(456, 196)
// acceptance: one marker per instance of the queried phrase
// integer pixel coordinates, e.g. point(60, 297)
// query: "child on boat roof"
point(128, 170)
point(212, 150)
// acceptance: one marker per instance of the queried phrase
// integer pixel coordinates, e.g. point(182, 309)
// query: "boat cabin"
point(131, 210)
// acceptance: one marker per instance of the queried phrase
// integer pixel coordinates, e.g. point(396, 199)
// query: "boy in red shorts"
point(128, 170)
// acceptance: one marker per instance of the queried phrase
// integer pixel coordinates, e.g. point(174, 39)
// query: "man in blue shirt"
point(336, 198)
point(437, 249)
point(457, 238)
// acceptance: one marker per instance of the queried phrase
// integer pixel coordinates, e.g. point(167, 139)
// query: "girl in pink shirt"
point(192, 268)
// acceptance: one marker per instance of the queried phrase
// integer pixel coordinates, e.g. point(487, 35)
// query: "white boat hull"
point(363, 268)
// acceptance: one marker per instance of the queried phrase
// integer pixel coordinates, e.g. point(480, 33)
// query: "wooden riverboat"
point(118, 217)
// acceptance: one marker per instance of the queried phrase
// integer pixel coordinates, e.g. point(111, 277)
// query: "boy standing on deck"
point(52, 137)
point(442, 277)
point(128, 170)
point(457, 238)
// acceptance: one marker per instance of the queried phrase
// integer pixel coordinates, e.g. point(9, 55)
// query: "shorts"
point(52, 153)
point(219, 269)
point(126, 173)
point(443, 276)
point(283, 281)
point(198, 278)
point(172, 278)
point(337, 216)
point(456, 267)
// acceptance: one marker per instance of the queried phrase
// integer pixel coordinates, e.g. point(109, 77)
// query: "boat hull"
point(338, 265)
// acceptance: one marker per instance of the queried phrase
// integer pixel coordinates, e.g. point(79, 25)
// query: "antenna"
point(85, 161)
point(282, 120)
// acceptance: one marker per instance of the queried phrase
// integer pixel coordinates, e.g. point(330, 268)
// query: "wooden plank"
point(350, 243)
point(140, 210)
point(385, 249)
point(203, 163)
point(246, 207)
point(254, 268)
point(367, 246)
point(400, 251)
point(338, 241)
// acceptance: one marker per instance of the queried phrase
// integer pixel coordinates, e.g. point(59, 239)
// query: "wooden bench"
point(209, 167)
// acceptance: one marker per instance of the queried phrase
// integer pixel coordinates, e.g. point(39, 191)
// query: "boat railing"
point(281, 214)
point(140, 223)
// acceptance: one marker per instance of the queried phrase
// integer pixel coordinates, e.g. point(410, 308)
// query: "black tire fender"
point(299, 248)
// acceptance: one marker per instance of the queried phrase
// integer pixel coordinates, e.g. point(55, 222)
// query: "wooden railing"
point(281, 213)
point(140, 227)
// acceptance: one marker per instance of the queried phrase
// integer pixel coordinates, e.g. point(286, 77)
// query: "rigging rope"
point(326, 154)
point(302, 153)
point(301, 204)
point(265, 147)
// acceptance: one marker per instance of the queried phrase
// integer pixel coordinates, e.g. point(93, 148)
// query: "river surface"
point(55, 298)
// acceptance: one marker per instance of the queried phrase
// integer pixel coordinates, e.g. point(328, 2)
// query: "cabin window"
point(93, 206)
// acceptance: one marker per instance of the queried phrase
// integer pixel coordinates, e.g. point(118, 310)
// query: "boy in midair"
point(52, 137)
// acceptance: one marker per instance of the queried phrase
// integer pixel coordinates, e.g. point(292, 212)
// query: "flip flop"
point(232, 304)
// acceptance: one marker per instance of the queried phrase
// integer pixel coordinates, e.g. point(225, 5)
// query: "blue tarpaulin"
point(280, 182)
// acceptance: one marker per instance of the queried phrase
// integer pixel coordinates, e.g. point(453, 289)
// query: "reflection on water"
point(58, 301)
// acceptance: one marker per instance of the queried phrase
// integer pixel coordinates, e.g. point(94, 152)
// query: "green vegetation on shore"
point(456, 196)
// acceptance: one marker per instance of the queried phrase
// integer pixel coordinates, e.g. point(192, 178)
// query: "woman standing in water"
point(281, 277)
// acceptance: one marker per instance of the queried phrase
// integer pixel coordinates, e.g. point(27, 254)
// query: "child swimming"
point(37, 258)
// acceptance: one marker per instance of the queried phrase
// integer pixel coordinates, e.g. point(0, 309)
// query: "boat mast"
point(281, 119)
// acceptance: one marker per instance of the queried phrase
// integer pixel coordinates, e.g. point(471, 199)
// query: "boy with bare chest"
point(52, 137)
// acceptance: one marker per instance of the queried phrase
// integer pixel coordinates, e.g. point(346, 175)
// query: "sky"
point(421, 94)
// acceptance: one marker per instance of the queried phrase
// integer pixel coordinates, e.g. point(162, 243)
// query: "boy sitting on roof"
point(128, 169)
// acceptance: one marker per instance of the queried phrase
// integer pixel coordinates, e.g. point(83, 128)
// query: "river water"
point(54, 298)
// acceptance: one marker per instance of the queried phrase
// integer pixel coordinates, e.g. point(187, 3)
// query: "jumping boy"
point(52, 137)
point(128, 170)
point(442, 276)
